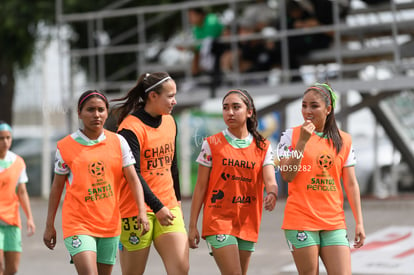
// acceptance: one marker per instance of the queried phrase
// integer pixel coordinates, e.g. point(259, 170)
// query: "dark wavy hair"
point(251, 121)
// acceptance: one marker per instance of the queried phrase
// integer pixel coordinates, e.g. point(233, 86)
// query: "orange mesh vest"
point(9, 201)
point(234, 198)
point(157, 146)
point(91, 205)
point(315, 198)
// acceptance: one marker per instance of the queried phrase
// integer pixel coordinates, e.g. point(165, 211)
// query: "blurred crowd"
point(256, 24)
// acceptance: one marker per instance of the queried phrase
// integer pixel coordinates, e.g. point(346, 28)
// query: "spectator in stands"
point(252, 54)
point(206, 27)
point(308, 14)
point(260, 14)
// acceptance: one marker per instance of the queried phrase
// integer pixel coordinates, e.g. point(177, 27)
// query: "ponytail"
point(137, 96)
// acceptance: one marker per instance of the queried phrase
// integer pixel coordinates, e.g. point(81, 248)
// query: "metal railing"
point(95, 53)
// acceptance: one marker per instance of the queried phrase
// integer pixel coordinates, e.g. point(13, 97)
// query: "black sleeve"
point(174, 170)
point(150, 199)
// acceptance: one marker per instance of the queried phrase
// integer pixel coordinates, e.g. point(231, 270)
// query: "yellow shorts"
point(131, 238)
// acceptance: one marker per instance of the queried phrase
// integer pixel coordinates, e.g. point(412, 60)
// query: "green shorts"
point(105, 248)
point(300, 239)
point(131, 238)
point(222, 240)
point(10, 238)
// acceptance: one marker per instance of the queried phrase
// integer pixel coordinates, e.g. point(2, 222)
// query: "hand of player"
point(269, 202)
point(143, 223)
point(193, 238)
point(49, 237)
point(306, 130)
point(165, 217)
point(359, 236)
point(31, 227)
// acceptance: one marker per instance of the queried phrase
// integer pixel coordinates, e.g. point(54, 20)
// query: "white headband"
point(156, 84)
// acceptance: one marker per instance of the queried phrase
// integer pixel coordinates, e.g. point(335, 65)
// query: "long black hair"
point(251, 121)
point(330, 129)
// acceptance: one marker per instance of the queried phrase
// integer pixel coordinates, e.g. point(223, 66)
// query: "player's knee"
point(180, 269)
point(185, 268)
